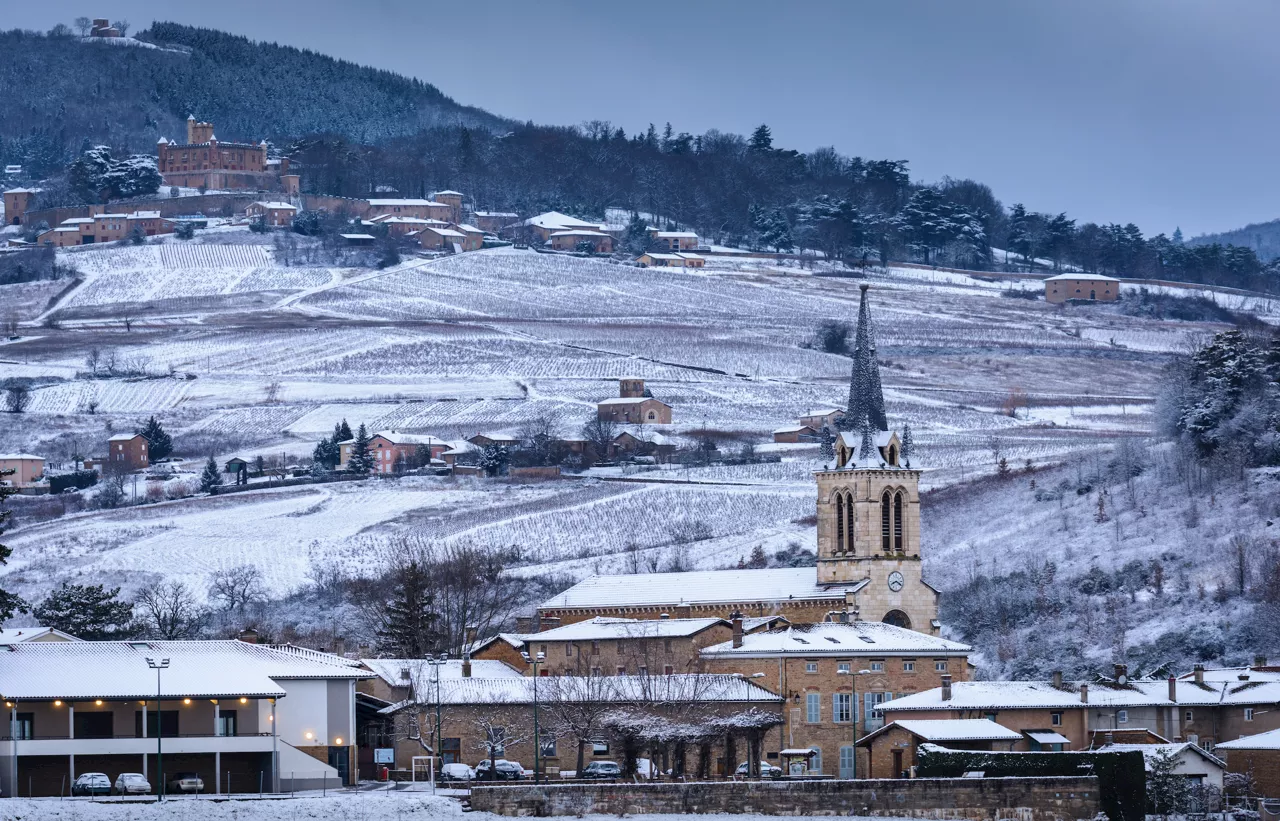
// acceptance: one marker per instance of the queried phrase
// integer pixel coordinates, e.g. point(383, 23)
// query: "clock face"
point(896, 581)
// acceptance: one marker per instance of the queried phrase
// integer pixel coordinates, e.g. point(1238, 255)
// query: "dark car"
point(602, 769)
point(186, 782)
point(91, 784)
point(503, 771)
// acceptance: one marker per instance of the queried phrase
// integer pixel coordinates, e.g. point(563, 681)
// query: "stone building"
point(453, 199)
point(274, 214)
point(634, 405)
point(1258, 757)
point(127, 451)
point(17, 201)
point(1093, 287)
point(204, 161)
point(892, 751)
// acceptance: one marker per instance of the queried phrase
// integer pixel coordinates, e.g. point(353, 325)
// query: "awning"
point(1047, 737)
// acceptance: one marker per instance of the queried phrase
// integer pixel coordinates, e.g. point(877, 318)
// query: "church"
point(868, 562)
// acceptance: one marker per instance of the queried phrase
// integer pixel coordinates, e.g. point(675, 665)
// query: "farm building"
point(544, 225)
point(453, 199)
point(423, 209)
point(794, 434)
point(569, 240)
point(1081, 286)
point(674, 240)
point(671, 260)
point(891, 751)
point(821, 418)
point(273, 213)
point(494, 221)
point(437, 238)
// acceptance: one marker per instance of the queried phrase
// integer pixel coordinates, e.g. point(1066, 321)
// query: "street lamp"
point(537, 738)
point(853, 712)
point(436, 663)
point(158, 665)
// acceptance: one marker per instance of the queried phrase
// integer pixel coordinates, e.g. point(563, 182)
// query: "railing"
point(133, 736)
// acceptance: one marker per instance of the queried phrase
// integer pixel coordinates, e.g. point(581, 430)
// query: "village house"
point(1256, 757)
point(473, 237)
point(892, 751)
point(674, 240)
point(102, 227)
point(103, 28)
point(436, 238)
point(1194, 763)
point(28, 469)
point(127, 451)
point(570, 239)
point(275, 214)
point(494, 221)
point(273, 717)
point(544, 225)
point(503, 440)
point(205, 162)
point(795, 434)
point(821, 418)
point(654, 259)
point(642, 443)
point(396, 452)
point(17, 201)
point(453, 199)
point(422, 209)
point(835, 675)
point(474, 713)
point(1097, 287)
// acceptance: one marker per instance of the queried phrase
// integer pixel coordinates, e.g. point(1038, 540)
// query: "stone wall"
point(1026, 799)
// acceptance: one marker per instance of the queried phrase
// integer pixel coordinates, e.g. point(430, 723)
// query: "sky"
point(1157, 112)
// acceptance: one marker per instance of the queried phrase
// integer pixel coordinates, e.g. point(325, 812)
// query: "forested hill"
point(1262, 237)
point(60, 92)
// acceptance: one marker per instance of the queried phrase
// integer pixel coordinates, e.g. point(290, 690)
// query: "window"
point(1189, 715)
point(839, 522)
point(595, 671)
point(568, 650)
point(886, 523)
point(1055, 719)
point(621, 646)
point(990, 716)
point(877, 666)
point(666, 645)
point(26, 727)
point(811, 666)
point(595, 648)
point(549, 747)
point(1248, 714)
point(897, 522)
point(842, 708)
point(940, 665)
point(599, 748)
point(908, 665)
point(1122, 716)
point(622, 671)
point(844, 667)
point(668, 670)
point(813, 707)
point(815, 763)
point(227, 723)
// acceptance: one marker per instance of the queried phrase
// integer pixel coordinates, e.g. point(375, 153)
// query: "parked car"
point(457, 772)
point(501, 770)
point(767, 770)
point(602, 769)
point(91, 784)
point(186, 782)
point(132, 784)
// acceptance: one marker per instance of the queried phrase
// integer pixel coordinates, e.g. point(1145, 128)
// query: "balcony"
point(130, 745)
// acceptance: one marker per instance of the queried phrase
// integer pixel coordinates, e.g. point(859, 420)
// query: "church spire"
point(866, 398)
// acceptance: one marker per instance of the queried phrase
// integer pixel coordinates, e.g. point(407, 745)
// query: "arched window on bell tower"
point(886, 522)
point(850, 522)
point(898, 545)
point(840, 533)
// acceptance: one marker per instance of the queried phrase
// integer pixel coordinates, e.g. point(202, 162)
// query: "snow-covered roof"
point(495, 213)
point(278, 206)
point(792, 429)
point(1260, 741)
point(554, 220)
point(698, 587)
point(1233, 674)
point(21, 191)
point(1150, 751)
point(1047, 737)
point(379, 202)
point(822, 412)
point(497, 437)
point(1250, 692)
point(860, 638)
point(76, 220)
point(445, 232)
point(468, 229)
point(956, 729)
point(124, 437)
point(14, 635)
point(6, 457)
point(700, 687)
point(578, 232)
point(144, 215)
point(1083, 277)
point(398, 438)
point(357, 236)
point(447, 193)
point(197, 669)
point(421, 671)
point(390, 220)
point(677, 235)
point(603, 628)
point(1013, 695)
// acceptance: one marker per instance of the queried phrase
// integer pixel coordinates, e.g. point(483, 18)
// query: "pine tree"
point(758, 558)
point(761, 139)
point(1002, 468)
point(341, 432)
point(211, 478)
point(494, 460)
point(326, 454)
point(159, 444)
point(90, 612)
point(1177, 236)
point(1101, 516)
point(908, 444)
point(9, 603)
point(360, 461)
point(409, 625)
point(827, 450)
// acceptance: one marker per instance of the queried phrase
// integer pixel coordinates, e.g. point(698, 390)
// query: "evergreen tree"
point(636, 240)
point(826, 450)
point(1168, 790)
point(9, 603)
point(908, 444)
point(159, 444)
point(327, 454)
point(211, 477)
point(758, 559)
point(409, 624)
point(775, 231)
point(341, 432)
point(495, 460)
point(1177, 236)
point(360, 461)
point(1020, 231)
point(90, 612)
point(761, 139)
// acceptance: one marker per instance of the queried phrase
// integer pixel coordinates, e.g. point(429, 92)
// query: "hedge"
point(80, 480)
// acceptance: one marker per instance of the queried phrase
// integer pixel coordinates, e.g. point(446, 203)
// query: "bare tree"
point(576, 706)
point(83, 25)
point(540, 436)
point(122, 26)
point(17, 397)
point(237, 587)
point(10, 324)
point(600, 434)
point(495, 739)
point(271, 393)
point(168, 610)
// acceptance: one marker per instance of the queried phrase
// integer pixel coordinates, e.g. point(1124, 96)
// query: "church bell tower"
point(869, 504)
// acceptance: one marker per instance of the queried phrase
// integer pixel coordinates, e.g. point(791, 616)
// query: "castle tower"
point(869, 504)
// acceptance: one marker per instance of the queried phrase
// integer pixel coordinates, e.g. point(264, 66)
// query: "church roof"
point(859, 638)
point(698, 587)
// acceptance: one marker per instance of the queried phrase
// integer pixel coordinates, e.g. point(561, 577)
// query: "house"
point(273, 717)
point(396, 452)
point(837, 673)
point(204, 161)
point(127, 451)
point(671, 260)
point(17, 635)
point(570, 239)
point(504, 440)
point(405, 226)
point(473, 237)
point(1256, 757)
point(674, 240)
point(1194, 763)
point(28, 469)
point(544, 225)
point(821, 418)
point(102, 227)
point(436, 238)
point(892, 750)
point(103, 28)
point(494, 221)
point(275, 214)
point(150, 223)
point(634, 405)
point(17, 201)
point(239, 468)
point(795, 434)
point(474, 712)
point(453, 199)
point(648, 444)
point(1063, 287)
point(422, 209)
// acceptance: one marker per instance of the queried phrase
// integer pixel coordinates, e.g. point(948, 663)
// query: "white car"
point(767, 770)
point(457, 772)
point(132, 784)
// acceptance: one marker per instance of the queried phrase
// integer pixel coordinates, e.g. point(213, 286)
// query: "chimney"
point(1173, 689)
point(664, 615)
point(364, 651)
point(1259, 661)
point(1198, 672)
point(248, 636)
point(339, 646)
point(1122, 673)
point(1109, 739)
point(466, 665)
point(524, 624)
point(684, 611)
point(406, 675)
point(736, 619)
point(1084, 693)
point(548, 623)
point(1057, 679)
point(946, 687)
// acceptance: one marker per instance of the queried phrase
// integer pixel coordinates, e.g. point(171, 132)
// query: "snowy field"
point(245, 356)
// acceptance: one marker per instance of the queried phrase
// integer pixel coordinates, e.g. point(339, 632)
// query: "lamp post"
point(853, 712)
point(158, 665)
point(435, 663)
point(537, 737)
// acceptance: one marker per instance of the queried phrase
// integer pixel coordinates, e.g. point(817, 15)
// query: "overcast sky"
point(1159, 112)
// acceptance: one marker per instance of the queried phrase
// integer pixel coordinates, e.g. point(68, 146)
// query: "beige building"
point(275, 214)
point(674, 240)
point(106, 227)
point(1081, 286)
point(422, 209)
point(453, 199)
point(27, 469)
point(16, 203)
point(569, 239)
point(671, 260)
point(494, 221)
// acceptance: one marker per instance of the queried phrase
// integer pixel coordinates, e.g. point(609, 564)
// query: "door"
point(846, 762)
point(897, 764)
point(227, 723)
point(340, 760)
